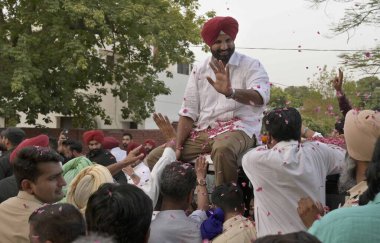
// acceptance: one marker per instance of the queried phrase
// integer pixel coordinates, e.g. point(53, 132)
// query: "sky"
point(290, 24)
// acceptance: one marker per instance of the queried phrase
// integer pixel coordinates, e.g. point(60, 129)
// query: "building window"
point(65, 122)
point(184, 68)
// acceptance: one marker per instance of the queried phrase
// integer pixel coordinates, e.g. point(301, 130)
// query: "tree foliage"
point(358, 13)
point(53, 52)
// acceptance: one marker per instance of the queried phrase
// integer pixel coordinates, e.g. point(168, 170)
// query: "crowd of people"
point(130, 192)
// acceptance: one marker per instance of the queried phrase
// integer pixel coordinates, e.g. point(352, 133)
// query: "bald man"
point(223, 104)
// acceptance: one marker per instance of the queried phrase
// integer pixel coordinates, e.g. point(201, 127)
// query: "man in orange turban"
point(224, 102)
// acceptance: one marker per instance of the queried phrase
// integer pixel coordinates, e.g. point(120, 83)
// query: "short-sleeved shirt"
point(172, 226)
point(210, 109)
point(282, 175)
point(354, 224)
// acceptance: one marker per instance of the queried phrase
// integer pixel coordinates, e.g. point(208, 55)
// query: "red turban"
point(110, 143)
point(40, 140)
point(96, 135)
point(212, 28)
point(133, 145)
point(151, 142)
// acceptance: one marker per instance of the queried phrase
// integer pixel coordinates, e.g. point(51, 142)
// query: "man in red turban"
point(97, 154)
point(223, 104)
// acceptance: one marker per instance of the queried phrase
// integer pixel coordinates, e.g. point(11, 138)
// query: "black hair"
point(123, 212)
point(339, 125)
point(373, 176)
point(283, 124)
point(26, 163)
point(14, 135)
point(127, 134)
point(296, 237)
point(73, 145)
point(229, 197)
point(58, 223)
point(177, 180)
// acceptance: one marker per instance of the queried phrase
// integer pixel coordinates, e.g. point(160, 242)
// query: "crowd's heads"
point(126, 139)
point(71, 148)
point(133, 145)
point(58, 223)
point(86, 182)
point(178, 180)
point(297, 237)
point(228, 197)
point(283, 124)
point(93, 139)
point(361, 130)
point(40, 140)
point(110, 143)
point(213, 27)
point(121, 211)
point(12, 136)
point(38, 171)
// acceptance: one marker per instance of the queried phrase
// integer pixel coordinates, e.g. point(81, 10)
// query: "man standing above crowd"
point(223, 104)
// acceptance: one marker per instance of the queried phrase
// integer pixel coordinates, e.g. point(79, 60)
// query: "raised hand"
point(338, 82)
point(222, 82)
point(201, 167)
point(165, 126)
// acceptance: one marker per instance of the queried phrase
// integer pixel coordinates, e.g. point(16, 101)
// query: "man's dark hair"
point(229, 197)
point(296, 237)
point(123, 212)
point(26, 163)
point(373, 177)
point(58, 223)
point(177, 180)
point(127, 134)
point(73, 145)
point(14, 135)
point(283, 124)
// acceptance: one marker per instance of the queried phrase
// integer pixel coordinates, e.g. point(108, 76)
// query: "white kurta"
point(282, 175)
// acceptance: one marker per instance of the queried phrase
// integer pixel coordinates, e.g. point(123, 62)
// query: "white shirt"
point(282, 175)
point(208, 108)
point(152, 187)
point(119, 153)
point(142, 171)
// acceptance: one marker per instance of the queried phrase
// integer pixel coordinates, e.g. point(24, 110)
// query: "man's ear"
point(26, 185)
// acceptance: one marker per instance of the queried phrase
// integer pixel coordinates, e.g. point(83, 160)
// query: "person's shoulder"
point(255, 154)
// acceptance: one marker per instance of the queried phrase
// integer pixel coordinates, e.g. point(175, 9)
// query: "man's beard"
point(225, 57)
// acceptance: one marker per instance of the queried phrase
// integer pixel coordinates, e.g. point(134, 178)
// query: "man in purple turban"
point(223, 105)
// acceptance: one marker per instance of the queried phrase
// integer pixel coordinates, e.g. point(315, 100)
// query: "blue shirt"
point(355, 224)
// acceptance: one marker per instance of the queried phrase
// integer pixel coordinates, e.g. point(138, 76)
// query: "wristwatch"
point(232, 95)
point(201, 182)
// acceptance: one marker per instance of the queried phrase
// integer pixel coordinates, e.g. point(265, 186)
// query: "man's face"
point(93, 144)
point(125, 140)
point(148, 147)
point(48, 186)
point(223, 48)
point(67, 152)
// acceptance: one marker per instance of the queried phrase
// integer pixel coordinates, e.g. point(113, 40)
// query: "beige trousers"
point(225, 150)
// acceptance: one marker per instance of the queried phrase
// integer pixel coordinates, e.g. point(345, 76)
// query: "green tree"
point(358, 13)
point(278, 98)
point(53, 52)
